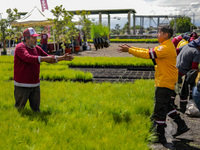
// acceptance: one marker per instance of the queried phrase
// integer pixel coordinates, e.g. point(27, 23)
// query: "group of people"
point(172, 59)
point(169, 70)
point(188, 51)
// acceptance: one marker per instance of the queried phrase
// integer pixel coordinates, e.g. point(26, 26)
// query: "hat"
point(197, 41)
point(30, 32)
point(194, 34)
point(192, 39)
point(186, 37)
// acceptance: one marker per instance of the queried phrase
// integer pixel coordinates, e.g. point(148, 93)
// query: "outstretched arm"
point(124, 48)
point(48, 59)
point(65, 57)
point(55, 59)
point(138, 52)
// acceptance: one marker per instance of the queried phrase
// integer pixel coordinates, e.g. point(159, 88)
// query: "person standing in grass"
point(166, 75)
point(44, 40)
point(27, 59)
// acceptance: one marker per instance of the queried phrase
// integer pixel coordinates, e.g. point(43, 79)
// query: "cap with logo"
point(30, 32)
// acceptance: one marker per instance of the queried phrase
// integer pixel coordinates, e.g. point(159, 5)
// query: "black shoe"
point(181, 131)
point(183, 107)
point(169, 146)
point(161, 140)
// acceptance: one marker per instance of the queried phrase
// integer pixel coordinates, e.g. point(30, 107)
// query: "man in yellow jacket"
point(166, 75)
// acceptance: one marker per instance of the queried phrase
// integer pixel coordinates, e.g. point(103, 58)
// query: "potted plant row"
point(85, 24)
point(65, 30)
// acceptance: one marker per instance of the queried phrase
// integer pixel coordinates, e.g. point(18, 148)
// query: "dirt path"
point(111, 51)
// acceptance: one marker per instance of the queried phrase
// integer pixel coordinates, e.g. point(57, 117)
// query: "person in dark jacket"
point(187, 59)
point(193, 36)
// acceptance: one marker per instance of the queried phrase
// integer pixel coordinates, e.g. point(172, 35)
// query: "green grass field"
point(78, 116)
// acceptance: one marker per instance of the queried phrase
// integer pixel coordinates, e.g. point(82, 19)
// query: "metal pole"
point(133, 23)
point(129, 19)
point(100, 18)
point(54, 44)
point(109, 21)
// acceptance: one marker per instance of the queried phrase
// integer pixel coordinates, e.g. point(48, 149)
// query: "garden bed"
point(117, 74)
point(142, 68)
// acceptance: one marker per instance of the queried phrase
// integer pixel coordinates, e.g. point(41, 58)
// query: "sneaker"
point(181, 131)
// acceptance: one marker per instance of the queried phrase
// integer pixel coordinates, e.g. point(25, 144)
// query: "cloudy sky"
point(143, 7)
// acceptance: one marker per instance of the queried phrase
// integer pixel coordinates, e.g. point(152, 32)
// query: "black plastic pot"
point(58, 52)
point(84, 47)
point(3, 52)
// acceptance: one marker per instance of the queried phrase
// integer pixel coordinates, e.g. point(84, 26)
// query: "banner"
point(44, 5)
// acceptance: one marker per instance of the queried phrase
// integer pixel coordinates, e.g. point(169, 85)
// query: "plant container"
point(68, 50)
point(77, 48)
point(3, 52)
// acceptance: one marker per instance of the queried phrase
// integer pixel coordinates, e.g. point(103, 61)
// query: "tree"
point(59, 23)
point(63, 26)
point(5, 23)
point(86, 24)
point(125, 29)
point(183, 24)
point(117, 30)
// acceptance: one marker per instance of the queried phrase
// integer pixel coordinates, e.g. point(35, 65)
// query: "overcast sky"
point(142, 7)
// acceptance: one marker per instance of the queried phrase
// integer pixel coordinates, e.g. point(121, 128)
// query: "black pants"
point(163, 105)
point(22, 94)
point(186, 89)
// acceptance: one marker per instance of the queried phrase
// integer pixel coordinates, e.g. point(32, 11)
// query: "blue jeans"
point(196, 97)
point(44, 47)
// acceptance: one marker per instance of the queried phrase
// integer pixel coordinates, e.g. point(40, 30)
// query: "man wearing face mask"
point(27, 59)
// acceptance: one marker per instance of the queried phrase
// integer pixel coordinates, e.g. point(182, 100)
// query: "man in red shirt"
point(44, 38)
point(27, 59)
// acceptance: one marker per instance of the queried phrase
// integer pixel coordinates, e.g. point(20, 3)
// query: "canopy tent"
point(34, 18)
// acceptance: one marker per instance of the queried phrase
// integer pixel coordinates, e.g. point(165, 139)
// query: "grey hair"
point(24, 40)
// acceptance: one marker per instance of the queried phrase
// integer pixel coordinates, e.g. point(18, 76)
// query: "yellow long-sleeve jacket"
point(182, 43)
point(166, 73)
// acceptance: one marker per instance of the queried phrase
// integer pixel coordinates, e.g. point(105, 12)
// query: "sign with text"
point(44, 5)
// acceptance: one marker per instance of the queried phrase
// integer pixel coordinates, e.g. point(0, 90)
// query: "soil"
point(111, 51)
point(187, 141)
